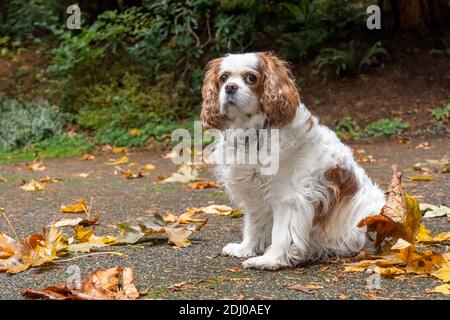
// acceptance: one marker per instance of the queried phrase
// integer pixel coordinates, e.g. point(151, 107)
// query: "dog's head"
point(242, 85)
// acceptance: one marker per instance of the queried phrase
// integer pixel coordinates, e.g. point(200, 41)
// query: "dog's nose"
point(231, 88)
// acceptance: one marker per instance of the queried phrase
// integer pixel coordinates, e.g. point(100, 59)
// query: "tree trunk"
point(414, 14)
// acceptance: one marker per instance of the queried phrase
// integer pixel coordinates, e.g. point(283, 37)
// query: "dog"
point(309, 209)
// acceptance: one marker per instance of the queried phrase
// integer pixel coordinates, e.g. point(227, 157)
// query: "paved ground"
point(158, 265)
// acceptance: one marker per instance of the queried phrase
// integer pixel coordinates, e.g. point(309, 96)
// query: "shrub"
point(351, 61)
point(385, 127)
point(20, 18)
point(441, 114)
point(23, 123)
point(347, 129)
point(111, 111)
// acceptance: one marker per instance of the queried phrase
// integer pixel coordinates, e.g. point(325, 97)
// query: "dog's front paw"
point(266, 262)
point(239, 250)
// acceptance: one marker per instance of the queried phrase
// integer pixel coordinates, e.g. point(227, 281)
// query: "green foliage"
point(110, 34)
point(441, 114)
point(309, 24)
point(348, 129)
point(350, 60)
point(385, 127)
point(58, 146)
point(23, 123)
point(20, 18)
point(112, 110)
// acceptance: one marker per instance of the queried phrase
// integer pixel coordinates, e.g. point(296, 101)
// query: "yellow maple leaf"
point(80, 207)
point(115, 162)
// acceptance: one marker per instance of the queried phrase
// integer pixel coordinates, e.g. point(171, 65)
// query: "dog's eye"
point(223, 78)
point(250, 78)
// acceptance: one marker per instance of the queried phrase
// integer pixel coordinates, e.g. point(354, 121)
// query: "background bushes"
point(137, 65)
point(23, 124)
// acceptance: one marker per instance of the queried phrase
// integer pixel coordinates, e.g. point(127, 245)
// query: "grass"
point(56, 147)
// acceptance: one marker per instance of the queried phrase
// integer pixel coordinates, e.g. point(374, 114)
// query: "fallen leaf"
point(128, 174)
point(2, 179)
point(423, 145)
point(129, 288)
point(220, 210)
point(182, 286)
point(36, 166)
point(120, 150)
point(88, 157)
point(424, 236)
point(32, 185)
point(402, 140)
point(422, 178)
point(309, 288)
point(388, 272)
point(84, 240)
point(184, 174)
point(443, 273)
point(149, 167)
point(431, 211)
point(442, 289)
point(48, 180)
point(102, 284)
point(34, 250)
point(135, 230)
point(83, 174)
point(399, 218)
point(80, 207)
point(365, 159)
point(65, 222)
point(200, 185)
point(438, 166)
point(115, 162)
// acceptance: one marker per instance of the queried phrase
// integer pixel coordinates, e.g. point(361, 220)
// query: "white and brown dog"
point(311, 207)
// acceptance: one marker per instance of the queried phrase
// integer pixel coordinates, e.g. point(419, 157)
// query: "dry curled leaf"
point(36, 166)
point(399, 218)
point(2, 179)
point(184, 174)
point(33, 251)
point(142, 228)
point(65, 222)
point(437, 166)
point(431, 211)
point(221, 210)
point(88, 157)
point(32, 185)
point(128, 174)
point(102, 284)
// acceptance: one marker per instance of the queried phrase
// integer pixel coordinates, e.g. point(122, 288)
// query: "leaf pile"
point(398, 228)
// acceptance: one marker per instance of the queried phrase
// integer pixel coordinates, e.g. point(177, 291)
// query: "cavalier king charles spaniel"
point(310, 208)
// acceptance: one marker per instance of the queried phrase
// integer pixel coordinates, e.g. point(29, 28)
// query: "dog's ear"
point(280, 97)
point(210, 114)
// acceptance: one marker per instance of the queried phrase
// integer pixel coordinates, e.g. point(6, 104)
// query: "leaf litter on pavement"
point(399, 234)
